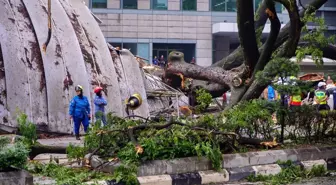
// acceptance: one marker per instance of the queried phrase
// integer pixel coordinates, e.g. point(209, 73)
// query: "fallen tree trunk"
point(42, 149)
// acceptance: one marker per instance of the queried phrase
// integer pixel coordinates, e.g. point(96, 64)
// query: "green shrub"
point(13, 156)
point(27, 129)
point(203, 99)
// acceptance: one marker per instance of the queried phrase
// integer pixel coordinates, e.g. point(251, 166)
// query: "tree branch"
point(284, 33)
point(295, 28)
point(176, 64)
point(236, 58)
point(246, 31)
point(275, 28)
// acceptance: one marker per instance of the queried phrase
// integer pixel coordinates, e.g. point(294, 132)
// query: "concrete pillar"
point(203, 5)
point(114, 4)
point(204, 41)
point(174, 4)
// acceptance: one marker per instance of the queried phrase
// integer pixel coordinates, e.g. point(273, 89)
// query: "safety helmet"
point(320, 84)
point(97, 89)
point(78, 88)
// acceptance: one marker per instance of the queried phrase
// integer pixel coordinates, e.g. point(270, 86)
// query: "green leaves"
point(203, 99)
point(277, 67)
point(289, 174)
point(27, 129)
point(13, 156)
point(314, 39)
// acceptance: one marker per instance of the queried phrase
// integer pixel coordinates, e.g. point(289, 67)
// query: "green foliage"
point(64, 175)
point(4, 141)
point(127, 173)
point(212, 151)
point(27, 129)
point(247, 116)
point(289, 174)
point(277, 67)
point(314, 39)
point(13, 156)
point(75, 152)
point(203, 99)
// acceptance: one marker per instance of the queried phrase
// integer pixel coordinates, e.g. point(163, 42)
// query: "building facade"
point(204, 29)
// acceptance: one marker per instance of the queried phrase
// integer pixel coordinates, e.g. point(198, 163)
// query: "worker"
point(270, 94)
point(79, 111)
point(321, 97)
point(295, 99)
point(100, 103)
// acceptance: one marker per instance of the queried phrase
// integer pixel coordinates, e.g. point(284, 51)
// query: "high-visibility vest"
point(320, 95)
point(296, 100)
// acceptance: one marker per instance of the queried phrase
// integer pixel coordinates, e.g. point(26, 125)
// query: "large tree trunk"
point(237, 71)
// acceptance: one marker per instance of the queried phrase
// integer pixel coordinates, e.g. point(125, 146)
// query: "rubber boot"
point(77, 137)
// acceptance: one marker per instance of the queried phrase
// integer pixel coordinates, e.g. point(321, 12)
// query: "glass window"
point(143, 51)
point(278, 6)
point(189, 5)
point(130, 4)
point(99, 3)
point(116, 44)
point(224, 5)
point(131, 46)
point(159, 4)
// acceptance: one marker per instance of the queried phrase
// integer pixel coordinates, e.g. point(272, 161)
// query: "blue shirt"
point(100, 104)
point(270, 93)
point(79, 107)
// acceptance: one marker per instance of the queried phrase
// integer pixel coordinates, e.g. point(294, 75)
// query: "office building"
point(204, 29)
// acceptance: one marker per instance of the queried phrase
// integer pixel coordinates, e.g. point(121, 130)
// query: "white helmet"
point(320, 84)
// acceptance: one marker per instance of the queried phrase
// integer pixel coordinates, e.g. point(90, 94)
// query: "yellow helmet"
point(78, 88)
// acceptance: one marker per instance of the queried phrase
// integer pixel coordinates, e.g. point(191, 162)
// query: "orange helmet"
point(97, 89)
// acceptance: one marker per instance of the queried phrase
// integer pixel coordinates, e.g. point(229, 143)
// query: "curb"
point(208, 177)
point(230, 161)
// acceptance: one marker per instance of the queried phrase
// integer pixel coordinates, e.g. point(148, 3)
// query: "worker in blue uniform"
point(100, 103)
point(79, 111)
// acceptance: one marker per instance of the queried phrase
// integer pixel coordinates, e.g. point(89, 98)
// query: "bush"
point(203, 99)
point(27, 129)
point(13, 156)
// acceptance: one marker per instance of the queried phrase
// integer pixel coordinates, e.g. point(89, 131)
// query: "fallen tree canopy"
point(238, 71)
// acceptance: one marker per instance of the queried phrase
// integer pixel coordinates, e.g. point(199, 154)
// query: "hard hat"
point(97, 89)
point(78, 88)
point(320, 84)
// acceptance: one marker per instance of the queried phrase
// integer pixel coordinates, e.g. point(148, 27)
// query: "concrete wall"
point(162, 28)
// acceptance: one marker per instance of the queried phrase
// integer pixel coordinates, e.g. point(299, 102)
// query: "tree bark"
point(214, 78)
point(41, 149)
point(246, 32)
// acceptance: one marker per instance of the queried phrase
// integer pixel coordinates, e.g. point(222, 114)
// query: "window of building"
point(132, 47)
point(143, 51)
point(99, 3)
point(159, 4)
point(224, 5)
point(278, 6)
point(190, 5)
point(130, 4)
